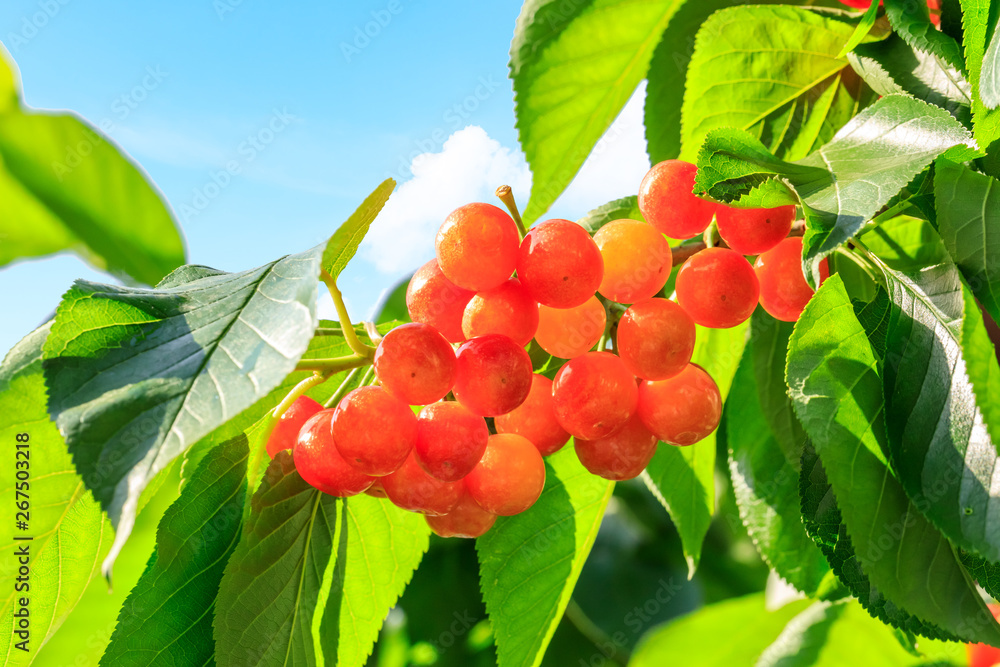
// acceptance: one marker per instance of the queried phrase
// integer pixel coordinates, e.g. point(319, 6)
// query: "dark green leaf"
point(167, 618)
point(769, 350)
point(574, 67)
point(977, 17)
point(348, 237)
point(626, 208)
point(529, 563)
point(391, 305)
point(833, 379)
point(911, 21)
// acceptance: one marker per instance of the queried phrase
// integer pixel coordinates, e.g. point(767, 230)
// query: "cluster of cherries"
point(474, 450)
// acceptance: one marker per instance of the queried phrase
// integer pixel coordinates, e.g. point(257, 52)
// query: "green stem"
point(334, 364)
point(596, 636)
point(350, 335)
point(342, 389)
point(366, 379)
point(507, 197)
point(864, 262)
point(709, 237)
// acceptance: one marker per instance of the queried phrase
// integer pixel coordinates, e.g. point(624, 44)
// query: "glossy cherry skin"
point(477, 246)
point(509, 478)
point(535, 419)
point(559, 264)
point(655, 339)
point(984, 655)
point(286, 432)
point(494, 375)
point(594, 395)
point(466, 519)
point(667, 202)
point(620, 456)
point(450, 440)
point(433, 299)
point(683, 409)
point(410, 488)
point(718, 288)
point(321, 465)
point(751, 231)
point(507, 309)
point(784, 291)
point(416, 364)
point(569, 332)
point(637, 260)
point(374, 430)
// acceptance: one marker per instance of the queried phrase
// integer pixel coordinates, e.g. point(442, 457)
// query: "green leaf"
point(769, 350)
point(697, 639)
point(976, 21)
point(833, 379)
point(683, 478)
point(911, 21)
point(864, 27)
point(529, 563)
point(968, 219)
point(766, 486)
point(573, 70)
point(774, 72)
point(137, 376)
point(10, 82)
point(626, 208)
point(70, 535)
point(348, 237)
point(167, 618)
point(391, 305)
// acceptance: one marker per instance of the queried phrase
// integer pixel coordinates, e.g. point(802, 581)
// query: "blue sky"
point(355, 91)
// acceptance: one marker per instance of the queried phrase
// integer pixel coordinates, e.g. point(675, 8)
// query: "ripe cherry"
point(751, 231)
point(620, 456)
point(559, 264)
point(450, 440)
point(535, 419)
point(321, 465)
point(507, 309)
point(594, 395)
point(655, 339)
point(433, 299)
point(984, 655)
point(683, 409)
point(466, 519)
point(509, 478)
point(477, 246)
point(494, 375)
point(718, 288)
point(374, 430)
point(413, 489)
point(416, 364)
point(637, 260)
point(668, 203)
point(286, 431)
point(376, 490)
point(784, 291)
point(569, 332)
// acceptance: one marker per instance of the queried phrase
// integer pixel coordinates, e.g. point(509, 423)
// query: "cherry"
point(450, 440)
point(569, 332)
point(751, 231)
point(667, 201)
point(637, 260)
point(535, 419)
point(413, 489)
point(494, 375)
point(594, 395)
point(984, 655)
point(376, 490)
point(559, 264)
point(655, 339)
point(784, 291)
point(718, 288)
point(466, 519)
point(433, 299)
point(286, 431)
point(374, 430)
point(477, 246)
point(620, 456)
point(683, 409)
point(507, 309)
point(321, 465)
point(416, 364)
point(509, 478)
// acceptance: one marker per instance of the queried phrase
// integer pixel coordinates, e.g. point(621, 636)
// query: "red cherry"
point(683, 409)
point(655, 339)
point(559, 264)
point(751, 231)
point(784, 291)
point(286, 432)
point(569, 332)
point(718, 288)
point(494, 375)
point(637, 260)
point(321, 465)
point(413, 489)
point(466, 519)
point(374, 430)
point(507, 309)
point(433, 299)
point(668, 203)
point(450, 440)
point(984, 655)
point(509, 478)
point(594, 395)
point(535, 419)
point(376, 490)
point(416, 364)
point(477, 246)
point(620, 456)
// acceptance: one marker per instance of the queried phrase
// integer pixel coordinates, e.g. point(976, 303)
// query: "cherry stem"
point(864, 259)
point(507, 197)
point(350, 335)
point(373, 334)
point(342, 389)
point(334, 364)
point(596, 636)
